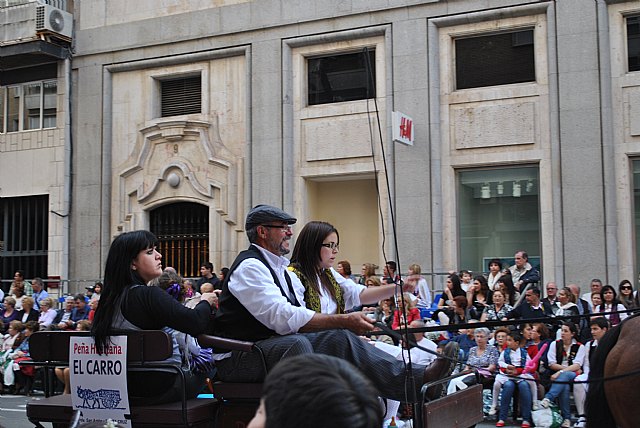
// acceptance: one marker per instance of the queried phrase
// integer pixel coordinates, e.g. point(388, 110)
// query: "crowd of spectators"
point(539, 357)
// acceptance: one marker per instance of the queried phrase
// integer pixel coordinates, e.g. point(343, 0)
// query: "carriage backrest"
point(49, 347)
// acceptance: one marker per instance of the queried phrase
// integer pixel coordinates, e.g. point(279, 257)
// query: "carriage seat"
point(145, 348)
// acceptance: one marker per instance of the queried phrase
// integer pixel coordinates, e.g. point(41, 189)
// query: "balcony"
point(33, 33)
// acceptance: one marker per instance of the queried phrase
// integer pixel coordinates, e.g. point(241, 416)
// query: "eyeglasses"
point(626, 287)
point(332, 246)
point(284, 227)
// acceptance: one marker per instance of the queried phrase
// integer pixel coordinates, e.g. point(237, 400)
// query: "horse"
point(616, 402)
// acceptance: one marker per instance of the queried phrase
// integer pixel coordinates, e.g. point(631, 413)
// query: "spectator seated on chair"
point(512, 362)
point(127, 303)
point(483, 358)
point(406, 312)
point(62, 321)
point(62, 373)
point(317, 391)
point(10, 343)
point(200, 359)
point(566, 358)
point(47, 313)
point(24, 374)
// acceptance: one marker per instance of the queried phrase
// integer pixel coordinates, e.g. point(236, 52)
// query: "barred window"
point(24, 235)
point(181, 96)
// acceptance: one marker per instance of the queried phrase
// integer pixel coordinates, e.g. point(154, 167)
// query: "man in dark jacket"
point(532, 308)
point(522, 272)
point(62, 321)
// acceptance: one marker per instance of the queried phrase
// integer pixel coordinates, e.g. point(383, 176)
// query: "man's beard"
point(284, 250)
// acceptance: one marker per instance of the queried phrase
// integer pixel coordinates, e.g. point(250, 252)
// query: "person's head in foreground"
point(317, 391)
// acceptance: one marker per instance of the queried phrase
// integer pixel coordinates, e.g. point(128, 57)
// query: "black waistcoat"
point(232, 319)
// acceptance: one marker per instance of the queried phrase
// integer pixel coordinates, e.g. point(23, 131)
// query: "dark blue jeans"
point(561, 391)
point(525, 399)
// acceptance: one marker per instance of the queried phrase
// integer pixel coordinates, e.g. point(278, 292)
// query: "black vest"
point(232, 319)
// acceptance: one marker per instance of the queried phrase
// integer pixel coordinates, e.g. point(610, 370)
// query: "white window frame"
point(21, 117)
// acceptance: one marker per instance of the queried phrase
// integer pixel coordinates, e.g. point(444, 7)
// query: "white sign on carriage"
point(99, 381)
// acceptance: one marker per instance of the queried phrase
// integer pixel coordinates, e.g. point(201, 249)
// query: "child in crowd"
point(411, 313)
point(512, 362)
point(200, 359)
point(465, 280)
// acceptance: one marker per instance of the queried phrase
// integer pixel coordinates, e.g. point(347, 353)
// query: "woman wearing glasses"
point(326, 291)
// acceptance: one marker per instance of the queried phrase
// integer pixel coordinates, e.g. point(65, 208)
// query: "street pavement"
point(13, 410)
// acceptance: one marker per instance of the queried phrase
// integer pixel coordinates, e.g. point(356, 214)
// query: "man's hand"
point(358, 322)
point(211, 298)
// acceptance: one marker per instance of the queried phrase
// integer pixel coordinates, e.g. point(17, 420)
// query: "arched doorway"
point(183, 234)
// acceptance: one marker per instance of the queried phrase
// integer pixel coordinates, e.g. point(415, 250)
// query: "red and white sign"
point(402, 128)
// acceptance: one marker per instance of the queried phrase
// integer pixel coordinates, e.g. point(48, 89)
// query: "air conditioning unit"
point(51, 20)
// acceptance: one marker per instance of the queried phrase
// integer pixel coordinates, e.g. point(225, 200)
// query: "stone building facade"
point(525, 116)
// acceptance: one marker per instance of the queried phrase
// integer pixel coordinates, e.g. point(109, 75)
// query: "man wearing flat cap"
point(261, 301)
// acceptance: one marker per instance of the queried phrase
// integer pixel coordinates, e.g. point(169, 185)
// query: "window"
point(498, 215)
point(636, 201)
point(341, 77)
point(633, 42)
point(496, 59)
point(183, 236)
point(24, 227)
point(181, 96)
point(28, 106)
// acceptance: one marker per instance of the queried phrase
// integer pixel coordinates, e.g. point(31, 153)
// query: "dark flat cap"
point(261, 214)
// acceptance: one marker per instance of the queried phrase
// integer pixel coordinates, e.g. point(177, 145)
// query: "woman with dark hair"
point(495, 272)
point(127, 303)
point(566, 358)
point(317, 391)
point(539, 336)
point(344, 268)
point(445, 304)
point(9, 313)
point(478, 296)
point(452, 290)
point(610, 303)
point(505, 283)
point(325, 290)
point(626, 294)
point(223, 273)
point(498, 309)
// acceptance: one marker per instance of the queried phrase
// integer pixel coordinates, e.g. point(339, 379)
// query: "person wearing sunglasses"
point(626, 294)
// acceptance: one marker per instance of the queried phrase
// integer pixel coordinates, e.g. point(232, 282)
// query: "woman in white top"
point(325, 290)
point(610, 303)
point(566, 358)
point(47, 315)
point(417, 285)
